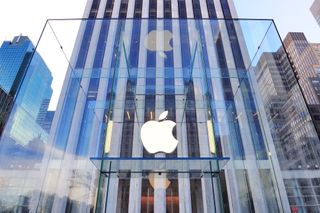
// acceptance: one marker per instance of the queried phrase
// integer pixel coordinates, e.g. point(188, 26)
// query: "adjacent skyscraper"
point(315, 10)
point(14, 57)
point(305, 60)
point(26, 82)
point(30, 87)
point(297, 147)
point(6, 102)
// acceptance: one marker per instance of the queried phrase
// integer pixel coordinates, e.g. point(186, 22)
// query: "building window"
point(153, 9)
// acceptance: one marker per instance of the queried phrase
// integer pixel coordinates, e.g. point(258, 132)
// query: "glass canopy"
point(205, 165)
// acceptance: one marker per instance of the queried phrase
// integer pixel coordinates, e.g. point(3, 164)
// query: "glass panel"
point(84, 92)
point(137, 165)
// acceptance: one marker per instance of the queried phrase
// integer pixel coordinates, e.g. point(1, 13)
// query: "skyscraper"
point(14, 56)
point(296, 146)
point(6, 102)
point(315, 10)
point(305, 57)
point(27, 80)
point(34, 85)
point(305, 60)
point(225, 83)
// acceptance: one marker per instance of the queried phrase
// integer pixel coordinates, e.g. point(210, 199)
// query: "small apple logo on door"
point(156, 136)
point(151, 42)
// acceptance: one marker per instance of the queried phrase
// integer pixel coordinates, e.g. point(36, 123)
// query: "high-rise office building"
point(14, 57)
point(305, 59)
point(282, 103)
point(6, 102)
point(45, 118)
point(315, 10)
point(33, 83)
point(27, 82)
point(239, 116)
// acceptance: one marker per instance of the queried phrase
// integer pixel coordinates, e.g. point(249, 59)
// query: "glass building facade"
point(28, 80)
point(14, 56)
point(247, 142)
point(6, 102)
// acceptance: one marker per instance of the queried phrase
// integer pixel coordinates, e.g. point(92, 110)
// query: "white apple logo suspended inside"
point(157, 136)
point(155, 37)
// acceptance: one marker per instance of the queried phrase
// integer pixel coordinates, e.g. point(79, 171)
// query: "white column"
point(67, 164)
point(159, 179)
point(130, 10)
point(231, 179)
point(277, 176)
point(92, 190)
point(137, 149)
point(217, 5)
point(159, 190)
point(207, 195)
point(183, 181)
point(250, 164)
point(232, 9)
point(117, 127)
point(135, 181)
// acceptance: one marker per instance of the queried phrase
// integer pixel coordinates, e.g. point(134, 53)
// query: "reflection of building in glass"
point(15, 56)
point(32, 100)
point(297, 148)
point(45, 118)
point(228, 96)
point(25, 134)
point(315, 115)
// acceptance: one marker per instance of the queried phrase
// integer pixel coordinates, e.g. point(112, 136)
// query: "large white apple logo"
point(151, 42)
point(156, 136)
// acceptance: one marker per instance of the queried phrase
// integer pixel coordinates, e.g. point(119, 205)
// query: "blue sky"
point(30, 16)
point(289, 15)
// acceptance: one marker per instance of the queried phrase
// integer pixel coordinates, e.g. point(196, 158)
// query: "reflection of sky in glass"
point(76, 133)
point(271, 43)
point(260, 37)
point(289, 15)
point(254, 33)
point(56, 45)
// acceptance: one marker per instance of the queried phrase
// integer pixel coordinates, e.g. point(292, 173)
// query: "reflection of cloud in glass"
point(17, 156)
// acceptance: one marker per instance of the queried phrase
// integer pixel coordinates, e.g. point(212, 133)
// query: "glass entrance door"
point(159, 184)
